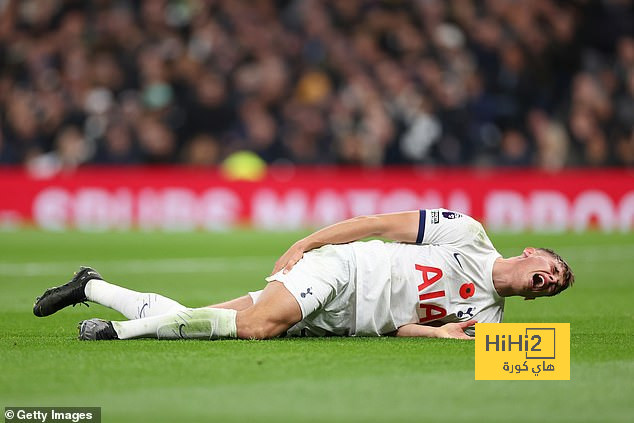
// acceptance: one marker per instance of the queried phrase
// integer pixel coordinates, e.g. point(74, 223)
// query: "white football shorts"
point(323, 284)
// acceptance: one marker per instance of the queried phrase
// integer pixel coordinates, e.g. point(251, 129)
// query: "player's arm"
point(402, 226)
point(448, 330)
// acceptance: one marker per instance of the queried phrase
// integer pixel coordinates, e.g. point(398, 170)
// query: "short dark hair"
point(567, 276)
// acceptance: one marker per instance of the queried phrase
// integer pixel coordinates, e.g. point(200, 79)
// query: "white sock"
point(132, 304)
point(188, 323)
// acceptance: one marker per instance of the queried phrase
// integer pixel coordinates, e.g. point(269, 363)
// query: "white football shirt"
point(445, 277)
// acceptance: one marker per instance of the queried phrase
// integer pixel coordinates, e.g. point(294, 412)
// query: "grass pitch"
point(320, 380)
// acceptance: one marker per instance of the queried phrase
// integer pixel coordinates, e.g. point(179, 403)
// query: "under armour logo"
point(303, 294)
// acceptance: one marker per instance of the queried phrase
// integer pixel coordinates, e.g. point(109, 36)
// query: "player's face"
point(539, 273)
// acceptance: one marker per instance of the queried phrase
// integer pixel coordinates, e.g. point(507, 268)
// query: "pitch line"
point(596, 253)
point(611, 253)
point(151, 266)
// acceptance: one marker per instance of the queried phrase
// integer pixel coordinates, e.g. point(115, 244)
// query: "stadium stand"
point(540, 83)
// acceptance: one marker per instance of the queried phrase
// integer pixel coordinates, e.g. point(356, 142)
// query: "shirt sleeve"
point(442, 226)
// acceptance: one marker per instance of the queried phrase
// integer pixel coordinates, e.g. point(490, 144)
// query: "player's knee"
point(262, 332)
point(251, 327)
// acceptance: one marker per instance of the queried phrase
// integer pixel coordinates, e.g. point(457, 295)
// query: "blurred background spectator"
point(498, 82)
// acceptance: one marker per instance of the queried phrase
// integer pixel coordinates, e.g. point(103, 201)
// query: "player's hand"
point(455, 330)
point(289, 258)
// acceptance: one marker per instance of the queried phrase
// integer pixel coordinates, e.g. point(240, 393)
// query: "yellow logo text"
point(522, 351)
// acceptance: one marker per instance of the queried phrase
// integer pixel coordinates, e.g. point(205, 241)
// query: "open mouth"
point(538, 280)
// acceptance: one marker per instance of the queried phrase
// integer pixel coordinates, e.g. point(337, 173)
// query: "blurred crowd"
point(541, 83)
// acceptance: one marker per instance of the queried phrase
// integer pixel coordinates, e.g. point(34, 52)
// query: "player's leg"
point(237, 304)
point(275, 311)
point(88, 285)
point(132, 304)
point(313, 283)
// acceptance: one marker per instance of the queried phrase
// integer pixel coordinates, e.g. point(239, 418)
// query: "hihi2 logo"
point(522, 351)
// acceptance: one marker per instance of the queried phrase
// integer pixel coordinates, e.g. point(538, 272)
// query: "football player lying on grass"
point(438, 277)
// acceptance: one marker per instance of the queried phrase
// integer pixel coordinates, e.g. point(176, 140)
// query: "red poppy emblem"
point(467, 290)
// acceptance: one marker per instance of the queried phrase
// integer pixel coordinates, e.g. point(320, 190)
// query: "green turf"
point(325, 380)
